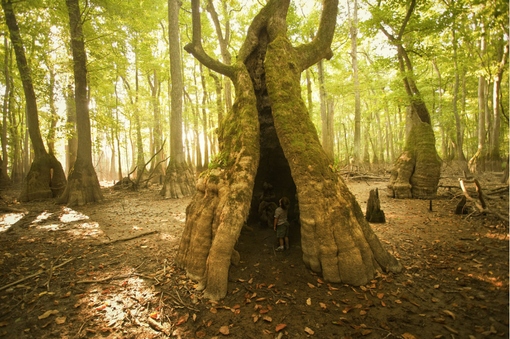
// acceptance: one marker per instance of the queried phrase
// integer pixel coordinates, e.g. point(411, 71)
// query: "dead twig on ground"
point(126, 239)
point(33, 275)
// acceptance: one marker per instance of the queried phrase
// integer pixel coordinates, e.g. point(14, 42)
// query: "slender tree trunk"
point(117, 132)
point(494, 156)
point(459, 144)
point(46, 177)
point(53, 112)
point(353, 29)
point(204, 117)
point(179, 179)
point(309, 92)
point(83, 186)
point(72, 138)
point(326, 129)
point(5, 106)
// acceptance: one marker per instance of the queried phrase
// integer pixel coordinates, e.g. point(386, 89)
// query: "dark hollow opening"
point(273, 167)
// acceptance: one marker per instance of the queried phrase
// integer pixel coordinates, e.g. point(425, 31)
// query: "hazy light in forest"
point(7, 220)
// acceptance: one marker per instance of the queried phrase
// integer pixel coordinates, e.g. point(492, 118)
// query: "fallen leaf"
point(408, 336)
point(213, 310)
point(362, 312)
point(268, 319)
point(200, 334)
point(323, 306)
point(224, 330)
point(451, 329)
point(309, 301)
point(366, 332)
point(60, 320)
point(280, 327)
point(3, 323)
point(66, 295)
point(309, 331)
point(154, 315)
point(47, 314)
point(450, 314)
point(311, 285)
point(380, 295)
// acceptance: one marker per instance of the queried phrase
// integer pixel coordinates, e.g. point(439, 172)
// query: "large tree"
point(268, 137)
point(417, 170)
point(178, 178)
point(83, 185)
point(46, 178)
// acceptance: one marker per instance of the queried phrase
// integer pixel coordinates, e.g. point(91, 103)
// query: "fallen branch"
point(480, 204)
point(126, 239)
point(33, 275)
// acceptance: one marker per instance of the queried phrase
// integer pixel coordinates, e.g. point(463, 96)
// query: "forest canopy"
point(458, 50)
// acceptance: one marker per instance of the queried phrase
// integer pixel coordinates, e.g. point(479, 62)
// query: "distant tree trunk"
point(53, 112)
point(309, 92)
point(379, 130)
point(444, 127)
point(223, 42)
point(353, 28)
point(417, 170)
point(156, 166)
point(72, 139)
point(494, 156)
point(46, 177)
point(219, 104)
point(179, 179)
point(5, 107)
point(326, 115)
point(117, 132)
point(336, 241)
point(477, 162)
point(204, 117)
point(83, 186)
point(459, 143)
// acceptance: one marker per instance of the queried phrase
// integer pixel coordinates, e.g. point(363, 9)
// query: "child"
point(281, 226)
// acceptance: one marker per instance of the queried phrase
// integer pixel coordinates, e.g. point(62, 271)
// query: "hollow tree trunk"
point(46, 178)
point(336, 239)
point(83, 185)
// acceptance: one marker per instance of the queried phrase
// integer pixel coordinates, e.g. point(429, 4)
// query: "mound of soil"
point(107, 271)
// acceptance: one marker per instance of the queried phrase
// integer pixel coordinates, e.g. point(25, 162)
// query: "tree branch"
point(196, 49)
point(320, 46)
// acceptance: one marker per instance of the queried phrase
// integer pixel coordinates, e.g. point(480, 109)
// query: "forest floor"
point(72, 273)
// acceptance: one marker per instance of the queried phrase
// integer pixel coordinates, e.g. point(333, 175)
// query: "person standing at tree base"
point(281, 225)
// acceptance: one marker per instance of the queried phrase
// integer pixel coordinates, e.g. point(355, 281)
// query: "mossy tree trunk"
point(46, 178)
point(336, 238)
point(83, 186)
point(417, 170)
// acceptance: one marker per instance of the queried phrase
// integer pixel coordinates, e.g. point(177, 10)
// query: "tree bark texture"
point(83, 185)
point(46, 178)
point(336, 238)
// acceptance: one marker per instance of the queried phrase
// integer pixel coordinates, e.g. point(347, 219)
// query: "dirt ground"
point(72, 273)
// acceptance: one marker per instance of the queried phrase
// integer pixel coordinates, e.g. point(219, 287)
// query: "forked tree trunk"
point(46, 178)
point(83, 185)
point(336, 238)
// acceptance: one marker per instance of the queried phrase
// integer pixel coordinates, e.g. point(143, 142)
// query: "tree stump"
point(374, 212)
